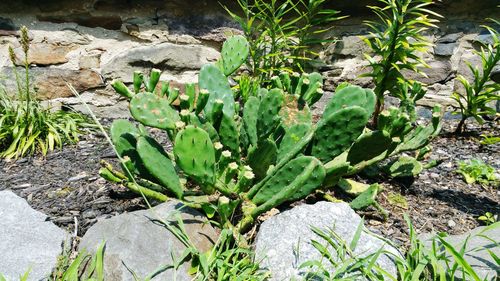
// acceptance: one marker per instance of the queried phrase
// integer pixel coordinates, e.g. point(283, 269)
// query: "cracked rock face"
point(27, 240)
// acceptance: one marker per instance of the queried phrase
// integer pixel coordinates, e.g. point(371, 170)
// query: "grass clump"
point(26, 126)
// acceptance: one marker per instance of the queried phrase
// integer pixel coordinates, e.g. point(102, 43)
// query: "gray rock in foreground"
point(27, 240)
point(144, 245)
point(280, 236)
point(476, 250)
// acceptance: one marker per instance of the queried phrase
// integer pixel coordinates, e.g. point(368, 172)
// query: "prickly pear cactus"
point(216, 83)
point(229, 135)
point(261, 156)
point(156, 161)
point(234, 53)
point(268, 118)
point(351, 96)
point(292, 113)
point(297, 179)
point(404, 166)
point(195, 155)
point(337, 132)
point(370, 145)
point(250, 115)
point(124, 136)
point(292, 136)
point(154, 111)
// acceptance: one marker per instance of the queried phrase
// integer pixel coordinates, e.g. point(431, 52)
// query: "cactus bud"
point(121, 89)
point(218, 145)
point(179, 125)
point(184, 101)
point(185, 115)
point(138, 76)
point(231, 170)
point(244, 181)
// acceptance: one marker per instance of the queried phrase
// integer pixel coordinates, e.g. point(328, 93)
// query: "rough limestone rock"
point(44, 54)
point(168, 57)
point(477, 250)
point(280, 236)
point(27, 240)
point(50, 83)
point(143, 245)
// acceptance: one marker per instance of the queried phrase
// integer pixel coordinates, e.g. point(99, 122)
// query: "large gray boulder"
point(138, 241)
point(172, 58)
point(27, 240)
point(477, 247)
point(284, 241)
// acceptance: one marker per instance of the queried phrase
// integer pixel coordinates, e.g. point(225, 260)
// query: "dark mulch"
point(439, 199)
point(65, 186)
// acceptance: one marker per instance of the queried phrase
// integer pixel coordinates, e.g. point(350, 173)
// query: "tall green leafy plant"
point(474, 100)
point(25, 126)
point(395, 41)
point(281, 33)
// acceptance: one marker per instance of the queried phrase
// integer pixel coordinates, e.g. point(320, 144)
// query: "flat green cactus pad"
point(337, 132)
point(351, 96)
point(156, 161)
point(268, 118)
point(404, 166)
point(154, 111)
point(213, 80)
point(234, 53)
point(369, 146)
point(261, 157)
point(195, 154)
point(294, 181)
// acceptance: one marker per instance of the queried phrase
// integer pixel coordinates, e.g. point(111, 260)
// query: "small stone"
point(80, 176)
point(434, 175)
point(452, 223)
point(445, 49)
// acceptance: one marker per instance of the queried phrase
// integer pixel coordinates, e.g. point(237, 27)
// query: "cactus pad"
point(261, 157)
point(123, 134)
point(195, 155)
point(154, 111)
point(268, 118)
point(294, 181)
point(229, 135)
point(250, 114)
point(292, 136)
point(291, 114)
point(369, 146)
point(213, 80)
point(404, 166)
point(336, 133)
point(234, 53)
point(158, 164)
point(350, 96)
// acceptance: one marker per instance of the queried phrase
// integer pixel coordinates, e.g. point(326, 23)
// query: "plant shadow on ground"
point(467, 202)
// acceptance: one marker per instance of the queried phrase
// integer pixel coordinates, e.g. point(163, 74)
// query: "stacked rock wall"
point(89, 43)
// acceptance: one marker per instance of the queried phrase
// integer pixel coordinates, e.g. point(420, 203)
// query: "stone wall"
point(88, 43)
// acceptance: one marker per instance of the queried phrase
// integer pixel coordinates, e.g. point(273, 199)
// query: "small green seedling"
point(488, 218)
point(476, 170)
